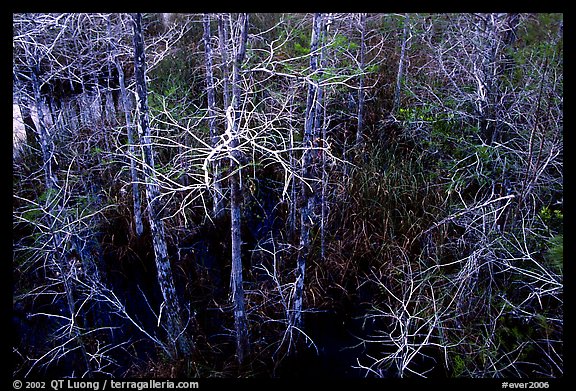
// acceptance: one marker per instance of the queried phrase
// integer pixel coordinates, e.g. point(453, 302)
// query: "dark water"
point(337, 349)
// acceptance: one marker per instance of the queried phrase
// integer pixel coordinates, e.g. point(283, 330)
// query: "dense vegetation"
point(272, 195)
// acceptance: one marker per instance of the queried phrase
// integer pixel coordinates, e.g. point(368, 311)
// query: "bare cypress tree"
point(233, 114)
point(171, 308)
point(320, 128)
point(324, 181)
point(292, 216)
point(307, 198)
point(139, 226)
point(217, 198)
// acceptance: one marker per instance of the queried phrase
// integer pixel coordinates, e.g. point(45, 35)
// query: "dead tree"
point(234, 114)
point(217, 197)
point(136, 202)
point(307, 208)
point(171, 308)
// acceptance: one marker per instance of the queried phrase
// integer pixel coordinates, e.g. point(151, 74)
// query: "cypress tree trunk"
point(217, 198)
point(136, 202)
point(233, 115)
point(321, 112)
point(292, 216)
point(222, 43)
point(109, 99)
point(138, 225)
point(307, 196)
point(171, 311)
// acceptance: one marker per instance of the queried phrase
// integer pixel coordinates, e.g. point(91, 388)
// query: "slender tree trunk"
point(73, 113)
point(323, 202)
point(318, 102)
point(171, 310)
point(323, 205)
point(307, 196)
point(217, 199)
point(136, 203)
point(55, 111)
point(233, 115)
point(109, 105)
point(98, 112)
point(361, 93)
point(400, 73)
point(292, 214)
point(124, 101)
point(223, 45)
point(320, 133)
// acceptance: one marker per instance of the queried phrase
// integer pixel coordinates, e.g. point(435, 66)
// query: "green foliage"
point(32, 214)
point(538, 39)
point(555, 254)
point(459, 366)
point(374, 68)
point(174, 86)
point(48, 196)
point(300, 49)
point(342, 43)
point(535, 34)
point(96, 151)
point(553, 219)
point(548, 215)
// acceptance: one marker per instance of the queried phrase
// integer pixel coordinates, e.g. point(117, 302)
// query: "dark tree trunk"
point(233, 114)
point(136, 203)
point(223, 45)
point(171, 310)
point(217, 198)
point(307, 191)
point(109, 99)
point(293, 212)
